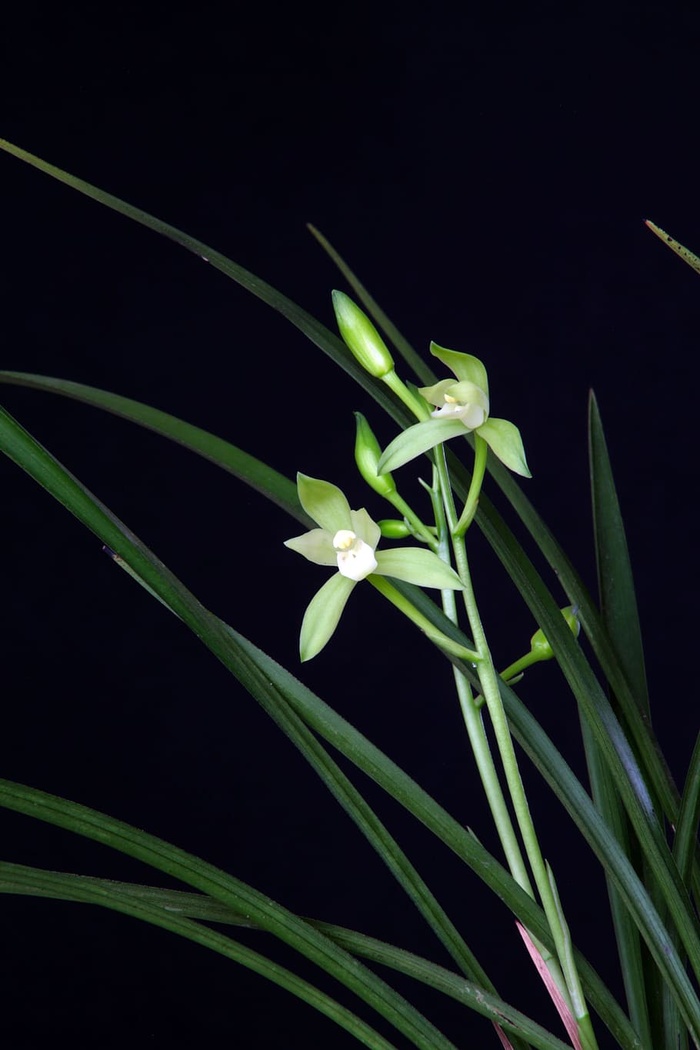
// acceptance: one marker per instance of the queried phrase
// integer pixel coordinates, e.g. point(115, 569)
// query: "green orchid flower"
point(461, 406)
point(347, 541)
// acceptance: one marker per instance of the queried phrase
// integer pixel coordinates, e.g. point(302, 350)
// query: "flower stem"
point(382, 584)
point(488, 678)
point(420, 531)
point(473, 720)
point(480, 456)
point(412, 401)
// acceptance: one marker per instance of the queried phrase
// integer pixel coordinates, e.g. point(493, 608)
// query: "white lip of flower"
point(355, 557)
point(471, 414)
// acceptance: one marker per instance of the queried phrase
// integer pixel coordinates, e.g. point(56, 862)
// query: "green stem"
point(472, 716)
point(382, 584)
point(481, 450)
point(519, 666)
point(415, 404)
point(488, 678)
point(420, 531)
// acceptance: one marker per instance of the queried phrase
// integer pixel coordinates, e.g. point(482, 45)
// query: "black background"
point(487, 174)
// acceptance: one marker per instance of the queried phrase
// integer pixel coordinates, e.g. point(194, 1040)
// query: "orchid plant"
point(638, 824)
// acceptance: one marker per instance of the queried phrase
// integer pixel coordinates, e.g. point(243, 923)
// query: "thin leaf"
point(124, 897)
point(326, 340)
point(277, 488)
point(621, 621)
point(149, 908)
point(267, 914)
point(615, 580)
point(685, 841)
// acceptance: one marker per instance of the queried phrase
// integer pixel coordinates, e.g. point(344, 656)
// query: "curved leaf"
point(266, 913)
point(125, 896)
point(149, 907)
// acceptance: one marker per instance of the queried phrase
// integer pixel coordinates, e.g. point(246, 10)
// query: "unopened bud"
point(539, 643)
point(361, 337)
point(393, 529)
point(367, 453)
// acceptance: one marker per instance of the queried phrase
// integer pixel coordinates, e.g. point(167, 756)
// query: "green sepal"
point(504, 440)
point(417, 439)
point(465, 366)
point(322, 615)
point(418, 566)
point(316, 546)
point(324, 502)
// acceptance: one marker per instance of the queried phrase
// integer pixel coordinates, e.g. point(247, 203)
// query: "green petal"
point(465, 366)
point(365, 527)
point(322, 615)
point(324, 502)
point(503, 438)
point(468, 393)
point(436, 394)
point(316, 545)
point(419, 438)
point(415, 565)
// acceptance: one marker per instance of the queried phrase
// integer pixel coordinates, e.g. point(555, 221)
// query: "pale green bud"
point(367, 453)
point(539, 643)
point(393, 529)
point(361, 337)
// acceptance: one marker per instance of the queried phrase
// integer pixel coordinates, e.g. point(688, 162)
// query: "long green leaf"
point(616, 584)
point(326, 340)
point(685, 841)
point(273, 485)
point(621, 621)
point(159, 908)
point(208, 879)
point(20, 879)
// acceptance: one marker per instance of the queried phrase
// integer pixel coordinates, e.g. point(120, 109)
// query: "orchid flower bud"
point(394, 529)
point(361, 337)
point(539, 643)
point(367, 453)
